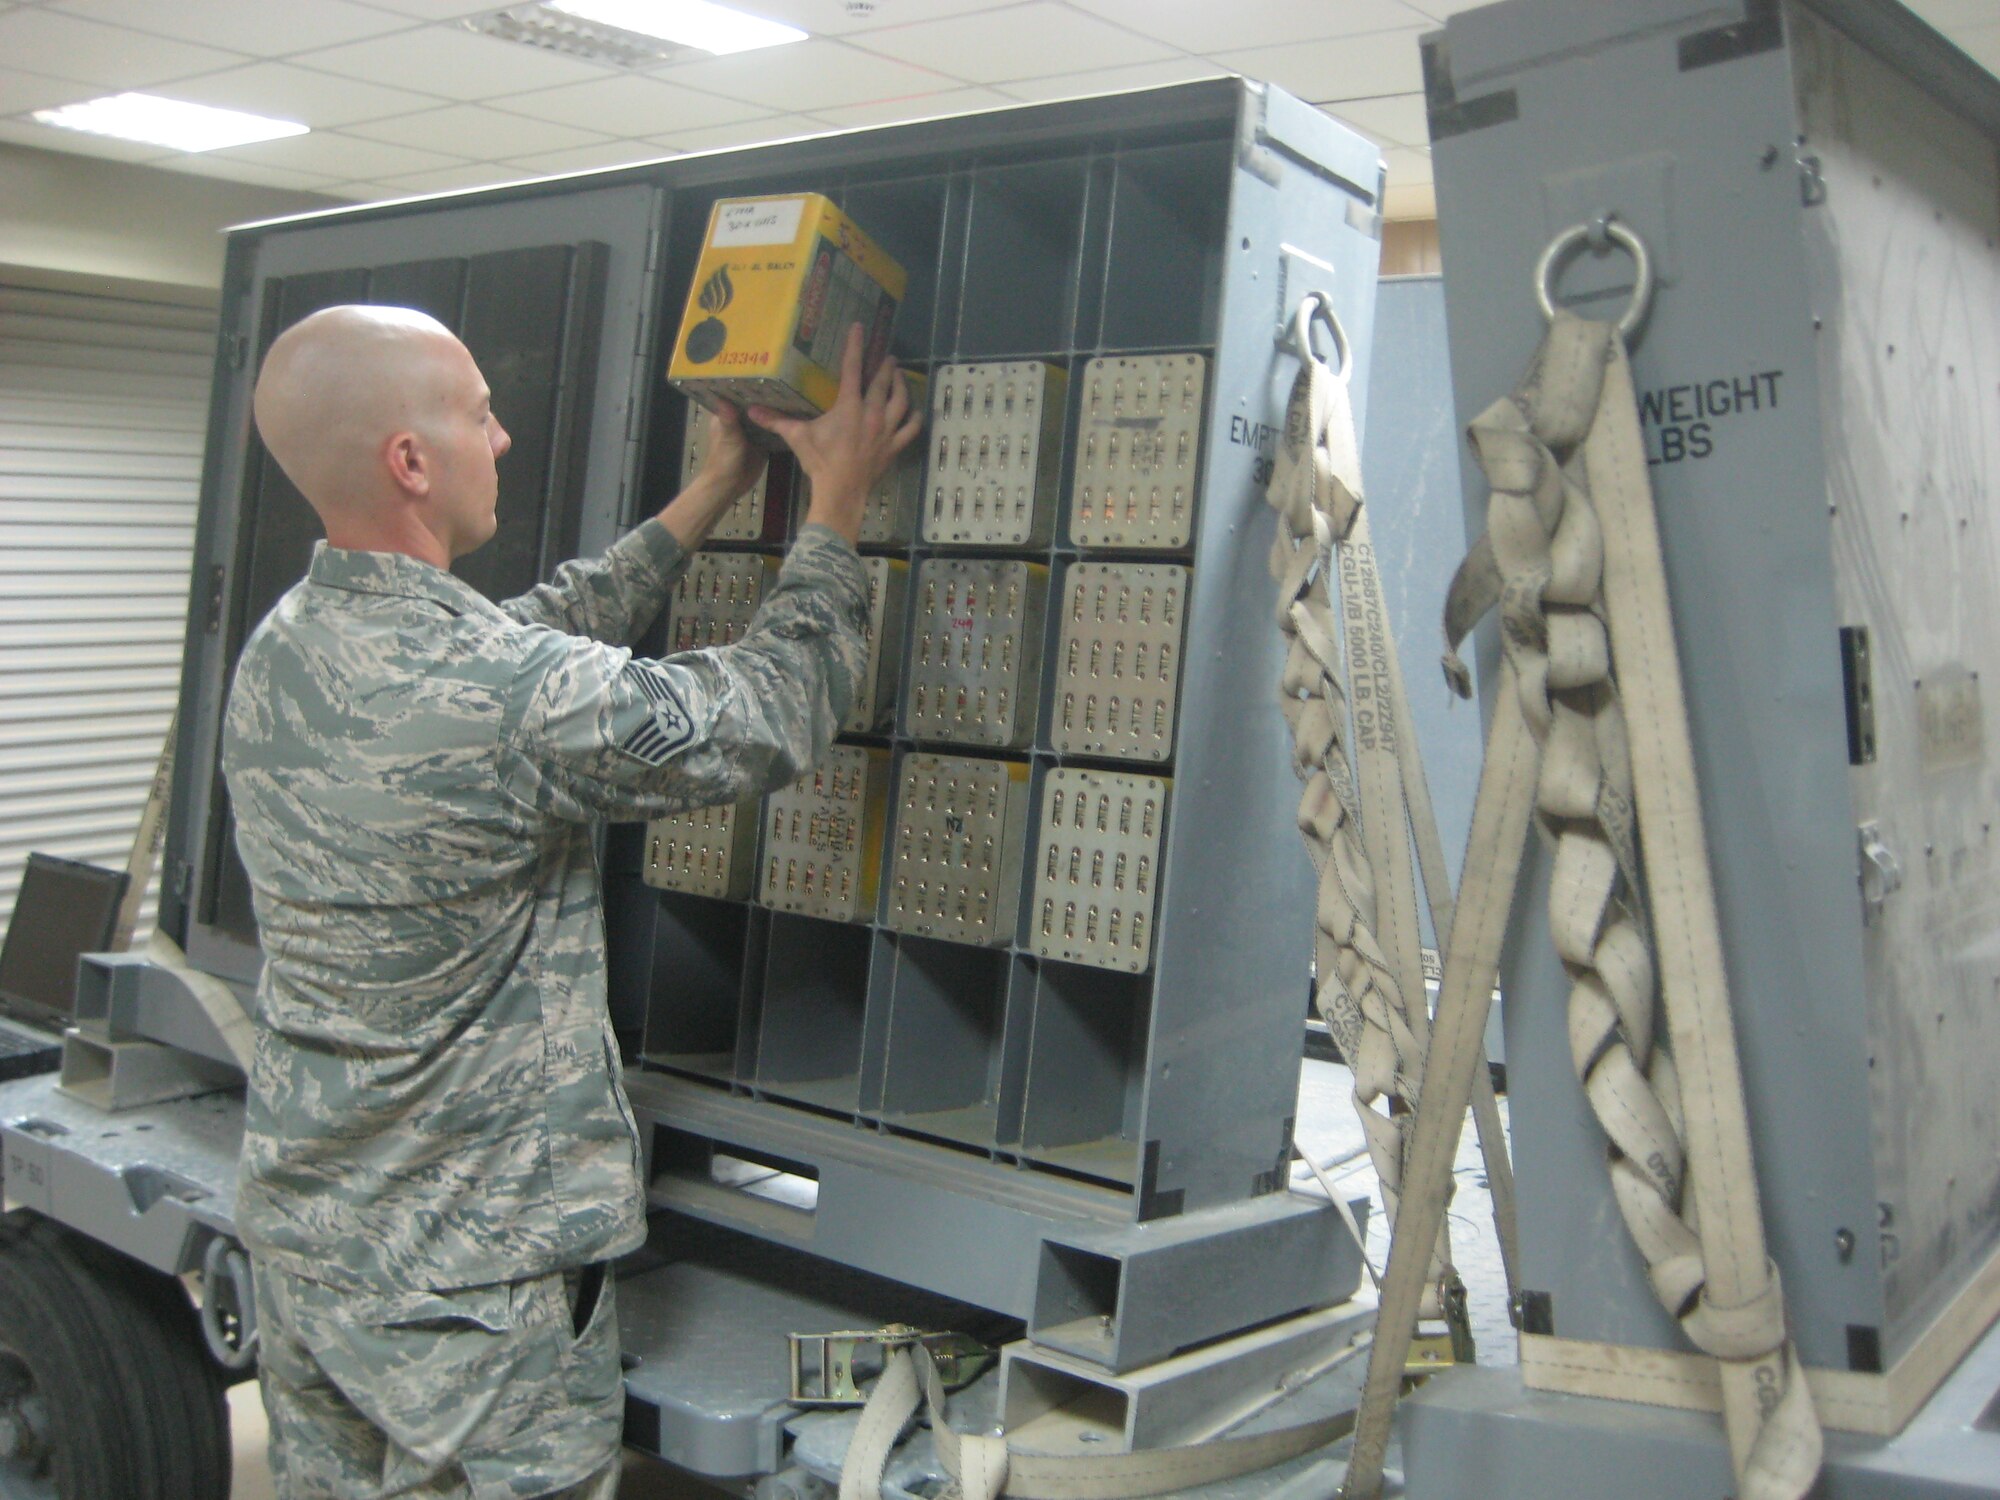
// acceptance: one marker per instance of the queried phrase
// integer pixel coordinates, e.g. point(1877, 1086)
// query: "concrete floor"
point(1327, 1129)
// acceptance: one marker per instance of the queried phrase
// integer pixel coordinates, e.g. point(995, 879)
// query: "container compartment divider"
point(815, 996)
point(693, 1020)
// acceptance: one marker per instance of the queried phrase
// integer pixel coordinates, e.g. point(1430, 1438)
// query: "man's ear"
point(408, 464)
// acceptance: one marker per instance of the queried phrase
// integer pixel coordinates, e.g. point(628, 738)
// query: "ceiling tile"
point(919, 107)
point(1943, 13)
point(1394, 120)
point(1112, 80)
point(1206, 26)
point(317, 99)
point(343, 157)
point(748, 133)
point(1407, 164)
point(587, 158)
point(1439, 10)
point(53, 138)
point(1018, 41)
point(431, 10)
point(846, 17)
point(1356, 67)
point(807, 76)
point(630, 104)
point(449, 61)
point(255, 173)
point(369, 192)
point(1417, 200)
point(254, 26)
point(110, 57)
point(455, 179)
point(475, 131)
point(1981, 44)
point(21, 92)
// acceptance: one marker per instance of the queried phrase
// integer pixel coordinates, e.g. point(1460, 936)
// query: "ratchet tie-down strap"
point(982, 1467)
point(1358, 822)
point(1571, 558)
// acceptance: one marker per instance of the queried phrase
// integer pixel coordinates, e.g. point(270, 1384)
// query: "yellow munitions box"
point(779, 283)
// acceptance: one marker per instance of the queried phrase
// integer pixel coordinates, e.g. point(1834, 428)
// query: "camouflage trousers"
point(479, 1393)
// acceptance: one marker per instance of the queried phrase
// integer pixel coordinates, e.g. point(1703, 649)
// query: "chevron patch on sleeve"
point(668, 730)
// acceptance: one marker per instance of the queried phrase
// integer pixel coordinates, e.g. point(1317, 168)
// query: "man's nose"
point(502, 441)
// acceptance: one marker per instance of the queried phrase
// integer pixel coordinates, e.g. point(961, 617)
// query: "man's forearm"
point(612, 597)
point(692, 514)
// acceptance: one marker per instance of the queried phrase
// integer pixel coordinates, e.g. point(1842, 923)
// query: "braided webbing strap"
point(1367, 940)
point(1571, 558)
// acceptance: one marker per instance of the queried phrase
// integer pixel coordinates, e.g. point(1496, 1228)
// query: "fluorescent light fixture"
point(692, 23)
point(173, 123)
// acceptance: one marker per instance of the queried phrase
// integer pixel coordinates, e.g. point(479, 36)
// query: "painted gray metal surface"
point(156, 1182)
point(1411, 462)
point(973, 1230)
point(123, 996)
point(1049, 1397)
point(1220, 1075)
point(1189, 1280)
point(1545, 112)
point(821, 1439)
point(703, 1318)
point(1481, 1422)
point(1411, 470)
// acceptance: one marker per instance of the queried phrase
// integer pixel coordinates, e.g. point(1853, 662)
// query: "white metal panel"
point(103, 397)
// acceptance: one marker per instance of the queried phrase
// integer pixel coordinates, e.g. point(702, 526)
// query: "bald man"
point(439, 1161)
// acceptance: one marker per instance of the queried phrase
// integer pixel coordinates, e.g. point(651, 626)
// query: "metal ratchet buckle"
point(829, 1377)
point(1430, 1353)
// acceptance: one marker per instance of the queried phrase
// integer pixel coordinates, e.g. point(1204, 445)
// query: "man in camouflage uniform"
point(439, 1160)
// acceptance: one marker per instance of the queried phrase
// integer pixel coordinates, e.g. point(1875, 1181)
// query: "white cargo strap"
point(146, 842)
point(1572, 547)
point(983, 1467)
point(1357, 823)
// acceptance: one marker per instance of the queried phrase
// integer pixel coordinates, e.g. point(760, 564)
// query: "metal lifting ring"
point(1600, 234)
point(1317, 307)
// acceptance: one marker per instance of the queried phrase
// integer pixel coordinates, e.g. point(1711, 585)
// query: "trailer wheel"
point(111, 1390)
point(62, 1435)
point(170, 1372)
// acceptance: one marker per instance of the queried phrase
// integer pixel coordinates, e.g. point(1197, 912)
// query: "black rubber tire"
point(90, 1448)
point(183, 1442)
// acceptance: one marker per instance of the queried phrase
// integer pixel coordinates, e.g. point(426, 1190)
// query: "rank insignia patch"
point(669, 730)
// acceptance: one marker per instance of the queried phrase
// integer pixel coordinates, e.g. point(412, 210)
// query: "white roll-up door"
point(103, 404)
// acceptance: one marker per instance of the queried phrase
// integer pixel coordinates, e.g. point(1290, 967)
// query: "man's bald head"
point(337, 385)
point(354, 402)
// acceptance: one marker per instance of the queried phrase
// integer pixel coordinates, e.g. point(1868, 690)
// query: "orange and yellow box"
point(779, 282)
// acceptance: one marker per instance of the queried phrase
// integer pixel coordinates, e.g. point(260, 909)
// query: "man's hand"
point(852, 445)
point(732, 463)
point(730, 466)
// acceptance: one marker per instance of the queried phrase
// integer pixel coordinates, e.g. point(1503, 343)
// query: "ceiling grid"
point(403, 99)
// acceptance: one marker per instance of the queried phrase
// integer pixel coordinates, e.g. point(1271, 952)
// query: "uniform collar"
point(394, 574)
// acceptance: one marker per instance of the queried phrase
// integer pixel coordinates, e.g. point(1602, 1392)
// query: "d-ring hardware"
point(1601, 232)
point(1317, 307)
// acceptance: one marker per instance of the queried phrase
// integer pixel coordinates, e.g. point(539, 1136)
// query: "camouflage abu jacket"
point(417, 774)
